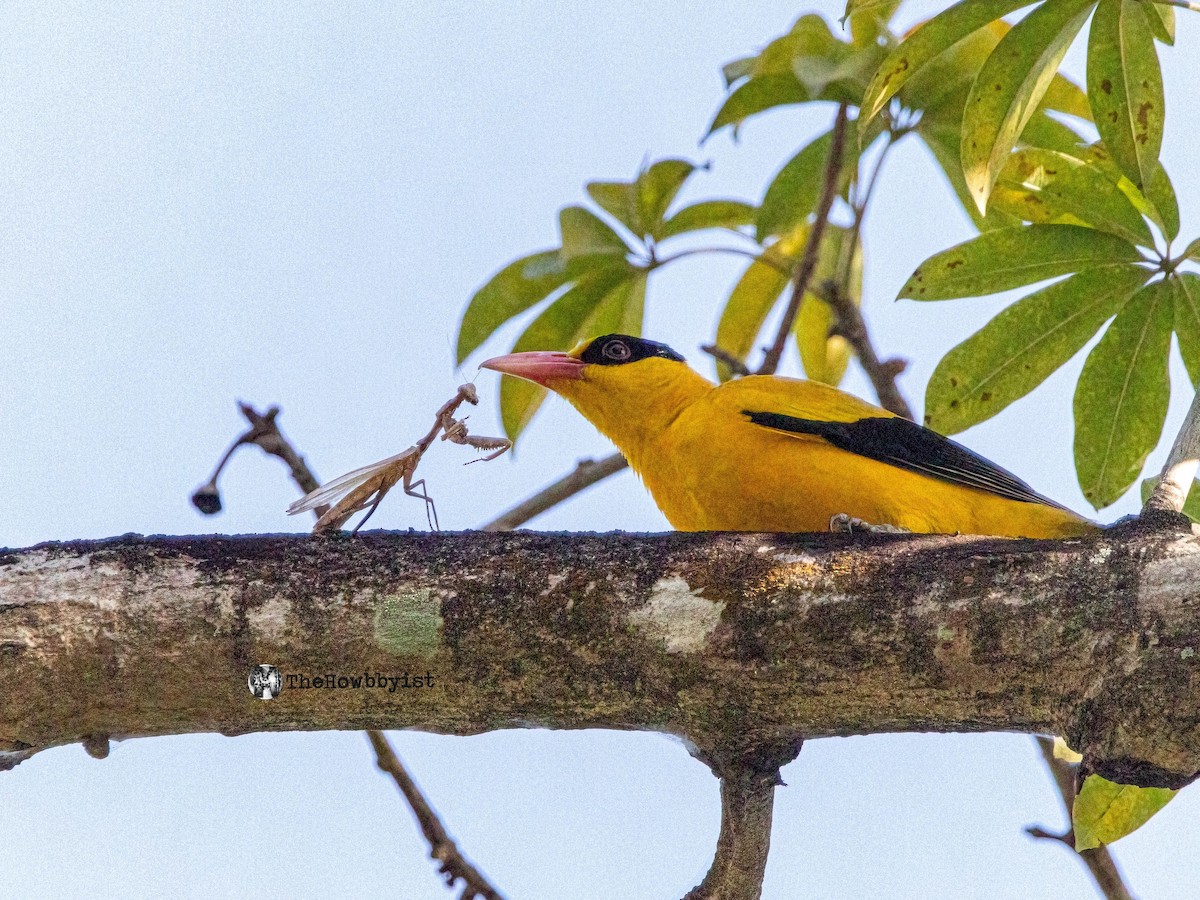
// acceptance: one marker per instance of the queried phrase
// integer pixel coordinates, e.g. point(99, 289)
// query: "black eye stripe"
point(617, 349)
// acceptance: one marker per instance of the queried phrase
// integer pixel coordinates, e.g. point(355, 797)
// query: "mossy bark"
point(734, 641)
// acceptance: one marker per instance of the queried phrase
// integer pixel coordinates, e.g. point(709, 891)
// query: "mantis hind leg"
point(410, 488)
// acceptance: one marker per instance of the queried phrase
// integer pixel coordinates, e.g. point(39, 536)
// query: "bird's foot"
point(844, 523)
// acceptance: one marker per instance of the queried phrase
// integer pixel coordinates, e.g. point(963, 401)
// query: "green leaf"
point(1187, 322)
point(1045, 131)
point(1044, 186)
point(1191, 505)
point(754, 295)
point(757, 95)
point(619, 200)
point(1161, 195)
point(1105, 811)
point(518, 286)
point(1023, 345)
point(1064, 95)
point(731, 214)
point(1122, 394)
point(656, 187)
point(1125, 87)
point(584, 234)
point(793, 193)
point(1010, 87)
point(943, 141)
point(559, 327)
point(1157, 202)
point(929, 40)
point(1162, 21)
point(1012, 257)
point(868, 19)
point(1192, 250)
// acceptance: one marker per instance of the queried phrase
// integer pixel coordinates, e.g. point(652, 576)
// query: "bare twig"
point(587, 472)
point(263, 432)
point(735, 363)
point(883, 373)
point(452, 865)
point(1179, 472)
point(1099, 861)
point(808, 261)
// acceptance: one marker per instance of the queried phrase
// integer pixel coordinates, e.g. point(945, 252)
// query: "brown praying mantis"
point(366, 487)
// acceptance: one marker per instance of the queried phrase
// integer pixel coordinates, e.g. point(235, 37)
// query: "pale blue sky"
point(291, 203)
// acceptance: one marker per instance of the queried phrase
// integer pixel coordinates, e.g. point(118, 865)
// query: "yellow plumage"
point(762, 453)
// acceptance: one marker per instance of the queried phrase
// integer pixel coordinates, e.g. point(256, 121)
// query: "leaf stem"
point(1182, 4)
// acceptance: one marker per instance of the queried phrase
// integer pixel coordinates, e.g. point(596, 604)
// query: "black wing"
point(907, 445)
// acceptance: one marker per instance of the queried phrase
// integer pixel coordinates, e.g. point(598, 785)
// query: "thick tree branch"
point(726, 639)
point(1179, 472)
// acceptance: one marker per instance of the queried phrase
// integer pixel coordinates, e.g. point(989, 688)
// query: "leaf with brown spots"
point(926, 43)
point(1008, 258)
point(1125, 87)
point(1011, 86)
point(1023, 345)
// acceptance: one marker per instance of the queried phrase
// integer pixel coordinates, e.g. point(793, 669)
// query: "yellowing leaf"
point(1011, 257)
point(1122, 395)
point(1010, 87)
point(1125, 87)
point(823, 355)
point(1045, 186)
point(1105, 811)
point(1023, 345)
point(929, 40)
point(754, 296)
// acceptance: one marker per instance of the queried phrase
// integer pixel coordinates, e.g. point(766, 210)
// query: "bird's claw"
point(844, 523)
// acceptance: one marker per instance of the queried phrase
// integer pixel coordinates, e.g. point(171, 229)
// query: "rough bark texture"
point(735, 641)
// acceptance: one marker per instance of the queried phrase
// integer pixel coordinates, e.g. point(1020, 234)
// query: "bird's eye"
point(617, 351)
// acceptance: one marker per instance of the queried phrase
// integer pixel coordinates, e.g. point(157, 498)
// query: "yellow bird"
point(766, 453)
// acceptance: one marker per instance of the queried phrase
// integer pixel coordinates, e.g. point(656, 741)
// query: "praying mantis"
point(366, 487)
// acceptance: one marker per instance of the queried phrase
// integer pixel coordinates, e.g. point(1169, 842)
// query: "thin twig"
point(1099, 861)
point(735, 363)
point(766, 258)
point(853, 327)
point(264, 433)
point(452, 865)
point(587, 472)
point(812, 245)
point(1179, 472)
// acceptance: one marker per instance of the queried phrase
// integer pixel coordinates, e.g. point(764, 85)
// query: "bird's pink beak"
point(539, 366)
